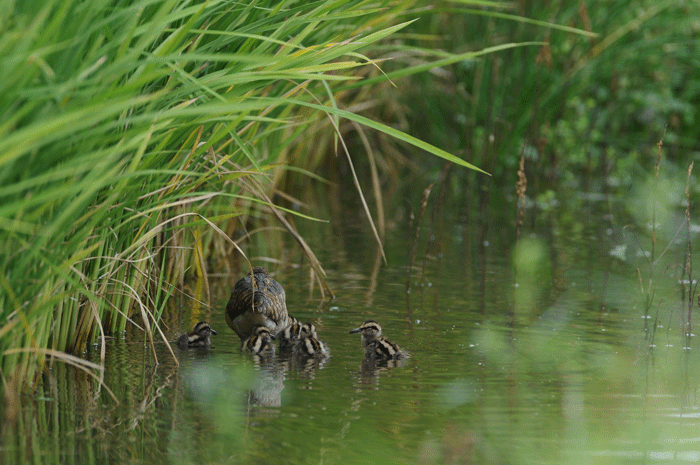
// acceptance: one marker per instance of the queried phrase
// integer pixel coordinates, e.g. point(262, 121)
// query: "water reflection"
point(372, 368)
point(303, 365)
point(269, 383)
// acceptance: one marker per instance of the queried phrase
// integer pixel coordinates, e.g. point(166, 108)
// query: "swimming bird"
point(199, 337)
point(294, 333)
point(374, 344)
point(311, 346)
point(260, 342)
point(255, 301)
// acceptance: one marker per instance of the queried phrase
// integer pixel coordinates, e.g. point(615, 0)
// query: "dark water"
point(568, 346)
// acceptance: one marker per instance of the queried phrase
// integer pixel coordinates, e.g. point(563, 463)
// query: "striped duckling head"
point(370, 330)
point(374, 343)
point(260, 341)
point(199, 337)
point(295, 332)
point(313, 347)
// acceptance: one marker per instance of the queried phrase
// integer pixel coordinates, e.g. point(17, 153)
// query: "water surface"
point(563, 346)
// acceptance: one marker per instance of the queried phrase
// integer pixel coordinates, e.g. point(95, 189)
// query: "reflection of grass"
point(162, 412)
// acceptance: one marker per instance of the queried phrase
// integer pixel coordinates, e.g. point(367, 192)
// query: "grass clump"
point(137, 138)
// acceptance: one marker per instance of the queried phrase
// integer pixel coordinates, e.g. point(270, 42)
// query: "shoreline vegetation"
point(140, 138)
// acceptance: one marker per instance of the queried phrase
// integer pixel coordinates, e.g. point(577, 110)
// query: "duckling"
point(375, 345)
point(311, 346)
point(260, 342)
point(293, 333)
point(255, 301)
point(199, 337)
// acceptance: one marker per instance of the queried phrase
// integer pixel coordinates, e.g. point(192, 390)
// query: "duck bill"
point(356, 330)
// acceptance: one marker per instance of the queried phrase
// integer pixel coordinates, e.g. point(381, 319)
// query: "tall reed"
point(137, 139)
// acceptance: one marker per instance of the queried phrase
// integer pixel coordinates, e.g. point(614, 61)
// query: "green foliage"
point(135, 138)
point(593, 97)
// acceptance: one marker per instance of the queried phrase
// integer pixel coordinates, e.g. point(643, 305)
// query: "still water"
point(565, 346)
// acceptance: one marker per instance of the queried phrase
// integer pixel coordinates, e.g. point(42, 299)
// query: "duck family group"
point(257, 313)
